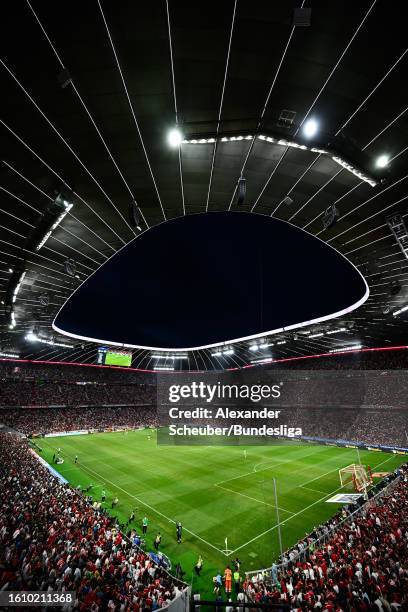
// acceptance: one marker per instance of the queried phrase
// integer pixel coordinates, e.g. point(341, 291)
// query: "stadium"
point(203, 330)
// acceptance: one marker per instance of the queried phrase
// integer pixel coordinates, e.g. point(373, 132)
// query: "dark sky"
point(208, 278)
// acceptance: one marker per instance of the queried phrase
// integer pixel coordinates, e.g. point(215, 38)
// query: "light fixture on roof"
point(351, 161)
point(344, 349)
point(49, 221)
point(264, 360)
point(310, 128)
point(30, 337)
point(287, 200)
point(382, 161)
point(134, 215)
point(177, 356)
point(12, 320)
point(70, 267)
point(329, 219)
point(225, 351)
point(337, 331)
point(229, 351)
point(354, 170)
point(263, 345)
point(241, 190)
point(33, 337)
point(174, 138)
point(399, 311)
point(10, 355)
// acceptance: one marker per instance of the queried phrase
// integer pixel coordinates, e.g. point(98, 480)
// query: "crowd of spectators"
point(53, 539)
point(377, 425)
point(383, 427)
point(38, 393)
point(372, 425)
point(361, 566)
point(36, 421)
point(21, 370)
point(360, 360)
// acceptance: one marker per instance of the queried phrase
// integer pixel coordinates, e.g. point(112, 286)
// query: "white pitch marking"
point(309, 489)
point(150, 507)
point(260, 501)
point(265, 469)
point(217, 484)
point(335, 470)
point(280, 462)
point(300, 512)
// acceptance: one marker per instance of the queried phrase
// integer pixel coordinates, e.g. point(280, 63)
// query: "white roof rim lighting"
point(263, 334)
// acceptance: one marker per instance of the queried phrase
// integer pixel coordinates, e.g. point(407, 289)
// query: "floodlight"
point(174, 138)
point(310, 128)
point(382, 161)
point(31, 337)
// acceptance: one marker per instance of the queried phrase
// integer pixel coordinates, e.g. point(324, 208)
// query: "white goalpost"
point(356, 475)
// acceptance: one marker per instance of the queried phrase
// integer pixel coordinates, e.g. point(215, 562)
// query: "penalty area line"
point(150, 507)
point(266, 469)
point(286, 520)
point(310, 489)
point(260, 501)
point(292, 460)
point(330, 472)
point(300, 512)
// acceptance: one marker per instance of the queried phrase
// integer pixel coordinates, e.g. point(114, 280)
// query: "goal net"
point(356, 475)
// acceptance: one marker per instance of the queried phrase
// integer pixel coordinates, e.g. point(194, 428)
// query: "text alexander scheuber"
point(213, 392)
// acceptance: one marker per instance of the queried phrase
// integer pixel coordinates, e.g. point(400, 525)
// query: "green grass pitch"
point(214, 491)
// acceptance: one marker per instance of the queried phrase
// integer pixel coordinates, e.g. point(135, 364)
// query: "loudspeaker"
point(134, 214)
point(241, 191)
point(330, 217)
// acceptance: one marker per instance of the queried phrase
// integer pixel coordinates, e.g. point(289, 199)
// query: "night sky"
point(211, 277)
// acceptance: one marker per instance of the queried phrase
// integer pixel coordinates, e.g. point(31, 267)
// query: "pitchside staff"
point(179, 530)
point(145, 523)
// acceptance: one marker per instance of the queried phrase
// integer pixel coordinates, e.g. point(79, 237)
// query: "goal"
point(357, 475)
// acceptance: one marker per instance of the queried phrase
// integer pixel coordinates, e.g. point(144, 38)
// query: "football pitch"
point(215, 491)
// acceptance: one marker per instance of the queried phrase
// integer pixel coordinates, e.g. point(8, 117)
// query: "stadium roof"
point(90, 94)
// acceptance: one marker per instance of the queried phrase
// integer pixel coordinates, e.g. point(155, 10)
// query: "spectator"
point(52, 538)
point(362, 566)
